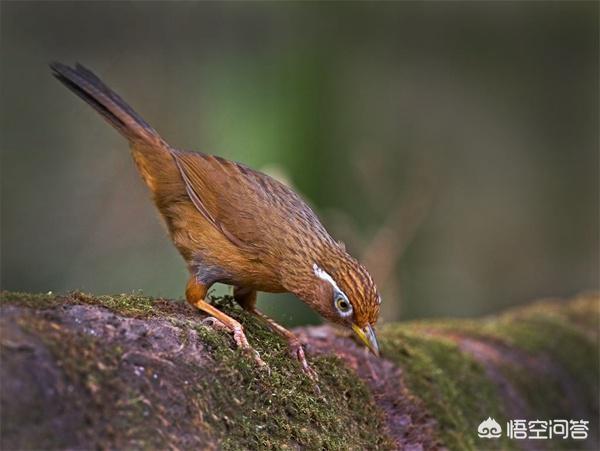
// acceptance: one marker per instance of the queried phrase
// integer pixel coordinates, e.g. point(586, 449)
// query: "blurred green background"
point(452, 146)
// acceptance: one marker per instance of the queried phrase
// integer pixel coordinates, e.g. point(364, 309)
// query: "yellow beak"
point(367, 336)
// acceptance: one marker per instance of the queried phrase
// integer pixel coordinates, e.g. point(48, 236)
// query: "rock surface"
point(127, 371)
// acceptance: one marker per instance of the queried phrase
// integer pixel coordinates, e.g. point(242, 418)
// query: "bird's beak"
point(367, 336)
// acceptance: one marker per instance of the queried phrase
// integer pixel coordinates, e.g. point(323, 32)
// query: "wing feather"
point(254, 211)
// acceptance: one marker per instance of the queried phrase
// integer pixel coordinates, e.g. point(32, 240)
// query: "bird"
point(240, 227)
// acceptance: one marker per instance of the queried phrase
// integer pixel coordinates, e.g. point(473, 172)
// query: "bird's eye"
point(343, 306)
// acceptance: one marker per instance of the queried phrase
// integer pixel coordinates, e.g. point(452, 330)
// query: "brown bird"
point(240, 227)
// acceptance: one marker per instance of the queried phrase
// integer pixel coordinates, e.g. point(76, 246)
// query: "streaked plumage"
point(235, 225)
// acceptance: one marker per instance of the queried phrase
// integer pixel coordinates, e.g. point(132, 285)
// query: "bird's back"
point(258, 214)
point(225, 218)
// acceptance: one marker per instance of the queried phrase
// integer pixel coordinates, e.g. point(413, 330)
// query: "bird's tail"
point(152, 155)
point(105, 101)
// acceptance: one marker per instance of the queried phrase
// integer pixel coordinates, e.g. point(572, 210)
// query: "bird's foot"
point(238, 336)
point(297, 351)
point(242, 342)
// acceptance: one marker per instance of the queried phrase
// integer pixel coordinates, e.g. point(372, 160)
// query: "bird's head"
point(344, 293)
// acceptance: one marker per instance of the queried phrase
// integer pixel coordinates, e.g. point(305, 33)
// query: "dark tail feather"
point(113, 108)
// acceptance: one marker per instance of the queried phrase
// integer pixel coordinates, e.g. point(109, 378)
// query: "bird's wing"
point(253, 210)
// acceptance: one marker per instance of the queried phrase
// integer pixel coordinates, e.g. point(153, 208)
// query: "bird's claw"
point(242, 343)
point(240, 339)
point(297, 351)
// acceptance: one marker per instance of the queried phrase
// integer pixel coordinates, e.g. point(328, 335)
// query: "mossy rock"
point(130, 371)
point(148, 373)
point(536, 362)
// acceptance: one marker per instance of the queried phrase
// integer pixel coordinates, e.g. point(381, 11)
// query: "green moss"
point(242, 405)
point(281, 408)
point(585, 312)
point(452, 385)
point(126, 304)
point(31, 300)
point(563, 334)
point(246, 407)
point(562, 337)
point(570, 350)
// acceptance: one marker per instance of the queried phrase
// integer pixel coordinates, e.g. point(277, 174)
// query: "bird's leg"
point(246, 297)
point(195, 293)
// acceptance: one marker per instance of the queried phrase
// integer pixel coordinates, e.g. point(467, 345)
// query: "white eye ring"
point(338, 296)
point(342, 305)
